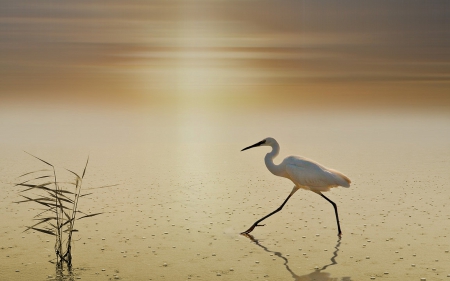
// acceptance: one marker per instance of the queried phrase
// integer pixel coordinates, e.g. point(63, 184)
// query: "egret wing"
point(307, 173)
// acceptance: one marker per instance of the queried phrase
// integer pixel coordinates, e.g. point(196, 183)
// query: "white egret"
point(304, 173)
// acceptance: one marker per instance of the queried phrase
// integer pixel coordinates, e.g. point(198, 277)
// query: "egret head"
point(264, 142)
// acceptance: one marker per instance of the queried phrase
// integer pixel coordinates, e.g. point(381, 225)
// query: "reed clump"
point(59, 202)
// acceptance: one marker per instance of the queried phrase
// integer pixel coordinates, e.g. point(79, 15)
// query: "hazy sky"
point(233, 53)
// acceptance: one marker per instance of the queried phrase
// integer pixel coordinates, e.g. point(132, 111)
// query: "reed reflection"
point(316, 275)
point(63, 274)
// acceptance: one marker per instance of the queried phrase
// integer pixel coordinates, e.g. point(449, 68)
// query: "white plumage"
point(304, 173)
point(310, 175)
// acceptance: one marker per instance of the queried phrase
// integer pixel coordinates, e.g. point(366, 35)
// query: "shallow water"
point(185, 191)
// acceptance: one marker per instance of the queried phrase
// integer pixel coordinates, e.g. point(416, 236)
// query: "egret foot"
point(251, 228)
point(249, 236)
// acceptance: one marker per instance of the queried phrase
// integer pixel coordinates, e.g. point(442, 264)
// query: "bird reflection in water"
point(316, 275)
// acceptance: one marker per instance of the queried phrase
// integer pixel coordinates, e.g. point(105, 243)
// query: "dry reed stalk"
point(60, 211)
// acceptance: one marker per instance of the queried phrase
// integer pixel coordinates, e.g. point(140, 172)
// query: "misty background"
point(226, 54)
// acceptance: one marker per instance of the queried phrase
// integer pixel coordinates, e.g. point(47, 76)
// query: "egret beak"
point(255, 145)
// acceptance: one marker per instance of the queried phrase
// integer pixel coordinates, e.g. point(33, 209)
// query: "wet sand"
point(180, 203)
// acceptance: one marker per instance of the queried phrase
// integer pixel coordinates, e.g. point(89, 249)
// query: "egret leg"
point(335, 211)
point(277, 210)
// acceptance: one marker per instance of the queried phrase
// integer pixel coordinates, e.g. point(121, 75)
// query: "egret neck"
point(274, 169)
